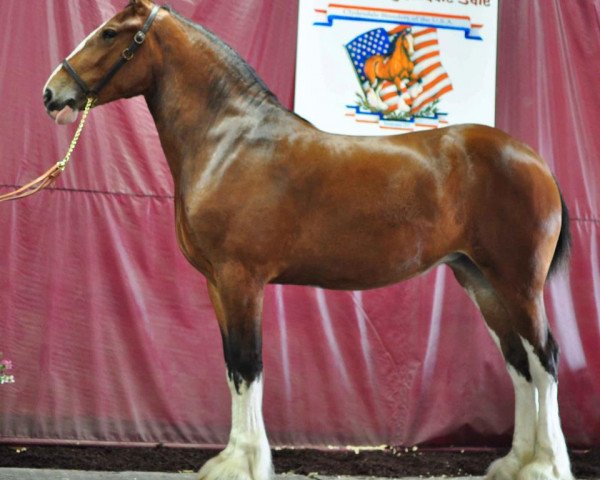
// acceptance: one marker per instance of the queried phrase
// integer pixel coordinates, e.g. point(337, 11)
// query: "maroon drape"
point(111, 332)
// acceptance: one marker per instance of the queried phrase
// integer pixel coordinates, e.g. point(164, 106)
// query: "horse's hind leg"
point(519, 325)
point(495, 315)
point(237, 300)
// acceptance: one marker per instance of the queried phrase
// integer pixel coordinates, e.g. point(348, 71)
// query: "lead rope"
point(47, 178)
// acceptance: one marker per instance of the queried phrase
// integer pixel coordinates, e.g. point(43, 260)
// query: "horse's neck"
point(399, 50)
point(196, 88)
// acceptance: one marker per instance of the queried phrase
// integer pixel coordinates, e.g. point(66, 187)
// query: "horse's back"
point(394, 206)
point(361, 212)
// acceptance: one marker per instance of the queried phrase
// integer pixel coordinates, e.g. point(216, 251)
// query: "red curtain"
point(111, 332)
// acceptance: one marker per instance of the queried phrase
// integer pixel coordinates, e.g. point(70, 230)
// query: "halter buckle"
point(139, 37)
point(127, 54)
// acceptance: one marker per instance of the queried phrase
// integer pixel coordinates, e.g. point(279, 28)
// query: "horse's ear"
point(139, 3)
point(136, 3)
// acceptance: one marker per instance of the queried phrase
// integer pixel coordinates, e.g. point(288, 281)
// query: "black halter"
point(126, 55)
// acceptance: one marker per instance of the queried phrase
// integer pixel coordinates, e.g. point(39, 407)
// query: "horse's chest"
point(200, 230)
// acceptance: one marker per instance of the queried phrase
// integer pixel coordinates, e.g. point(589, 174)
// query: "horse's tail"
point(563, 247)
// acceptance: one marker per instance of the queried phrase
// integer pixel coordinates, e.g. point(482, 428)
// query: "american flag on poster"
point(371, 67)
point(428, 82)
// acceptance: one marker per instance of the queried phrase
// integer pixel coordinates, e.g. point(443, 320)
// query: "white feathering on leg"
point(551, 460)
point(526, 412)
point(247, 455)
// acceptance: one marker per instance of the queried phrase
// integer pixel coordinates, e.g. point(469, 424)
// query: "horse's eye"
point(109, 33)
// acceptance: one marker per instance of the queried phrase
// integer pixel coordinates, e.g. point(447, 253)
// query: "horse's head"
point(115, 46)
point(406, 41)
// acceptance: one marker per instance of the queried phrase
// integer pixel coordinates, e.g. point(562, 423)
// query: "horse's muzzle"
point(61, 112)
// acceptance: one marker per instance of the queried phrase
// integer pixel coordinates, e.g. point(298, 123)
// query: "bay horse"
point(262, 196)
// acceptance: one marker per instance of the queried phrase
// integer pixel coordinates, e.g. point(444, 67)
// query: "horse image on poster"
point(401, 75)
point(397, 68)
point(262, 196)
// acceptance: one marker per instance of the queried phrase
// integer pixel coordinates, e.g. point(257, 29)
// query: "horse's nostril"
point(47, 95)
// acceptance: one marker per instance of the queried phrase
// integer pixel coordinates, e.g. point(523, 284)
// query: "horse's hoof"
point(236, 464)
point(403, 107)
point(505, 468)
point(219, 468)
point(375, 102)
point(544, 470)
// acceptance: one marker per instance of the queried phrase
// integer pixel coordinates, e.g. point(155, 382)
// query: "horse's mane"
point(229, 54)
point(394, 42)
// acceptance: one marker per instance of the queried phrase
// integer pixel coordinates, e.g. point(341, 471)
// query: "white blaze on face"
point(72, 54)
point(411, 44)
point(84, 41)
point(56, 70)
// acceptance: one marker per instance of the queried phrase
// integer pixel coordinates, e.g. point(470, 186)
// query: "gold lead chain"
point(48, 177)
point(88, 106)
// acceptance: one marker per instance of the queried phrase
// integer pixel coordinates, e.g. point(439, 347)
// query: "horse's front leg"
point(237, 299)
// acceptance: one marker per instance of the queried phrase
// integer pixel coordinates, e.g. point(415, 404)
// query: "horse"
point(397, 68)
point(262, 196)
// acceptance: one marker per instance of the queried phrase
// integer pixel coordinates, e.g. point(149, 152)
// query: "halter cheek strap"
point(126, 55)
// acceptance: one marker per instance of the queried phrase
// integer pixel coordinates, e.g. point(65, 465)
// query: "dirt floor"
point(391, 462)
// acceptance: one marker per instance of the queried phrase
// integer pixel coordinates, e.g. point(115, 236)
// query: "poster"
point(377, 67)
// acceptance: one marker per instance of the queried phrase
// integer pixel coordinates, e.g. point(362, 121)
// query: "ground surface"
point(387, 463)
point(29, 474)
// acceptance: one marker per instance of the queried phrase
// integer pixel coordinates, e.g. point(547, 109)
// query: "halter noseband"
point(126, 55)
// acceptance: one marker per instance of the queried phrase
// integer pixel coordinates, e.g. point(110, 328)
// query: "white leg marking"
point(523, 445)
point(494, 337)
point(247, 455)
point(526, 413)
point(375, 101)
point(551, 460)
